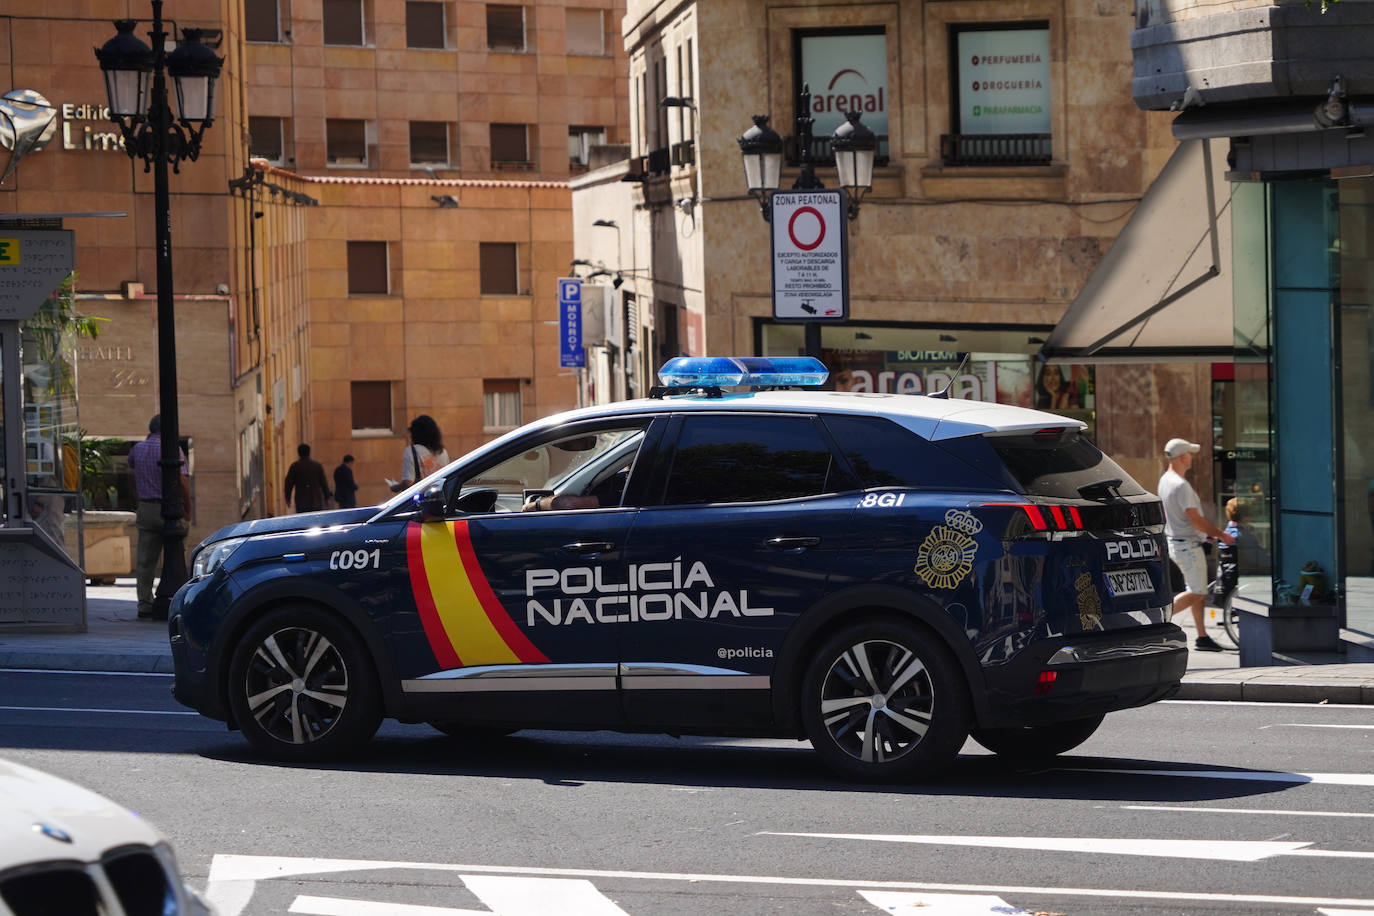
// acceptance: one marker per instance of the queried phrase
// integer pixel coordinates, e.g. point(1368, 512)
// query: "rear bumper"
point(1093, 674)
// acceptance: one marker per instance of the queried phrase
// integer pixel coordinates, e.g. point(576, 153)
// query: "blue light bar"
point(725, 371)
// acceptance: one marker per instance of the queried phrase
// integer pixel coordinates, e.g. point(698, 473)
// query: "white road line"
point(1345, 707)
point(1328, 911)
point(342, 906)
point(1330, 779)
point(1246, 811)
point(246, 869)
point(1217, 850)
point(132, 712)
point(940, 904)
point(92, 673)
point(540, 896)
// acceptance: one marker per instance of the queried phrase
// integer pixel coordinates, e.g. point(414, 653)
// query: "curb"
point(121, 662)
point(1267, 686)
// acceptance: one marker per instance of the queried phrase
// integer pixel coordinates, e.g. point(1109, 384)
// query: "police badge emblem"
point(945, 557)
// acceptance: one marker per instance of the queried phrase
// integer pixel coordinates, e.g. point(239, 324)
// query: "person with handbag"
point(424, 455)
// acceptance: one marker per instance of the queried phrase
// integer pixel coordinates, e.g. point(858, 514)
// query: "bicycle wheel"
point(1230, 619)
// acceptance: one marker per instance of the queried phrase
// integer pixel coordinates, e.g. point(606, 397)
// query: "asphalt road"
point(1176, 808)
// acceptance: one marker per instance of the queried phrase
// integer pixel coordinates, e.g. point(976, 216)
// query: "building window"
point(371, 405)
point(580, 143)
point(428, 143)
point(506, 28)
point(586, 31)
point(500, 403)
point(265, 139)
point(1000, 95)
point(510, 146)
point(345, 141)
point(847, 71)
point(260, 20)
point(343, 22)
point(499, 268)
point(368, 274)
point(424, 24)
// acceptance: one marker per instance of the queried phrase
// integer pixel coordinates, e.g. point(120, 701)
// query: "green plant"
point(56, 318)
point(93, 457)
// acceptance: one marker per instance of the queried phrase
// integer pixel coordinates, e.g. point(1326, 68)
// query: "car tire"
point(1038, 741)
point(302, 686)
point(923, 718)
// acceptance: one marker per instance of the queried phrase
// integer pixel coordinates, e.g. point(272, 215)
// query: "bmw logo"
point(56, 833)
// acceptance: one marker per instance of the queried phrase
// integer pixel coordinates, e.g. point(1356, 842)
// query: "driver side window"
point(581, 470)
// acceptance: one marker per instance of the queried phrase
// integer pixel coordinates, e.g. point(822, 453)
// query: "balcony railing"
point(995, 149)
point(823, 155)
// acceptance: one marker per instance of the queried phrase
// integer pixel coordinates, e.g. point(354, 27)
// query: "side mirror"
point(476, 501)
point(430, 503)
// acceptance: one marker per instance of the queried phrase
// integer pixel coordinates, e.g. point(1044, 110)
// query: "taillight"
point(1044, 682)
point(1048, 518)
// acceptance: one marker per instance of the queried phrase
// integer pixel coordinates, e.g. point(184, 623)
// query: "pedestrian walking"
point(306, 478)
point(424, 455)
point(144, 460)
point(1187, 530)
point(345, 487)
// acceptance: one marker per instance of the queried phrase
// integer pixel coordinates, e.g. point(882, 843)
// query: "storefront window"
point(51, 434)
point(1355, 330)
point(1001, 364)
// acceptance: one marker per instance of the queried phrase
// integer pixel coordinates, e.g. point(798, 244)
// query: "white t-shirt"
point(429, 462)
point(1178, 496)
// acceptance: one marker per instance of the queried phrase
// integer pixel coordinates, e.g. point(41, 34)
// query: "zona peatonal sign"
point(810, 256)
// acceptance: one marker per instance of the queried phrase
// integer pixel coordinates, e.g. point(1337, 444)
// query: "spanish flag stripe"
point(464, 619)
point(512, 634)
point(439, 643)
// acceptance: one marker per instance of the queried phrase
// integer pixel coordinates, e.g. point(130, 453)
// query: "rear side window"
point(749, 458)
point(884, 454)
point(1061, 467)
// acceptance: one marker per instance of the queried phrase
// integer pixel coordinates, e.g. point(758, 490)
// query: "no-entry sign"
point(810, 256)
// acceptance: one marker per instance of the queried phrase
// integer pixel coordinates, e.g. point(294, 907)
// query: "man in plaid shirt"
point(143, 461)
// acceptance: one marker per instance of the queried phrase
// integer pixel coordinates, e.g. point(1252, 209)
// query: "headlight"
point(209, 559)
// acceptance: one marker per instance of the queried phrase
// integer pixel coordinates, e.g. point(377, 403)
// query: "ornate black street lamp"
point(151, 134)
point(855, 147)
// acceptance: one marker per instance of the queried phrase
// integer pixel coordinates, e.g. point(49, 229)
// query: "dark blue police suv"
point(881, 574)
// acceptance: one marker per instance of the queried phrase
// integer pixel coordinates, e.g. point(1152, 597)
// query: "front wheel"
point(1036, 741)
point(302, 687)
point(884, 701)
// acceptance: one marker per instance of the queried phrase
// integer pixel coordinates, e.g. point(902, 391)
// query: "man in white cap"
point(1187, 530)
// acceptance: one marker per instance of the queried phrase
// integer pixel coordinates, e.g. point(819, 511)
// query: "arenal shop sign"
point(846, 73)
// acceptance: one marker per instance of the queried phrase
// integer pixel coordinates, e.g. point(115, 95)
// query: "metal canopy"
point(1163, 290)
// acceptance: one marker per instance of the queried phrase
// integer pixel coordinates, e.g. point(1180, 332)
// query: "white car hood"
point(31, 800)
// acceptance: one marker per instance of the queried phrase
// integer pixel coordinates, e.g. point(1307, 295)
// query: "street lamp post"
point(151, 134)
point(855, 147)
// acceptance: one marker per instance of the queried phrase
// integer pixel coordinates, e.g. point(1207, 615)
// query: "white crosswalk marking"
point(504, 896)
point(902, 904)
point(342, 906)
point(1224, 850)
point(540, 896)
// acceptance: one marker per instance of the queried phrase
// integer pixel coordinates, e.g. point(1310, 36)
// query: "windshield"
point(1062, 467)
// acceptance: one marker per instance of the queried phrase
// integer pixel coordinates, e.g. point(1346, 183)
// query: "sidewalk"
point(116, 640)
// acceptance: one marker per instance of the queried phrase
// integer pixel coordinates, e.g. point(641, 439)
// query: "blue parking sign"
point(570, 352)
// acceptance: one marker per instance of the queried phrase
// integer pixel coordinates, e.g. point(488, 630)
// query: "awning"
point(1163, 290)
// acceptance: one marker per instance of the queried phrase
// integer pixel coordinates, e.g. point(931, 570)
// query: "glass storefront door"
point(1355, 335)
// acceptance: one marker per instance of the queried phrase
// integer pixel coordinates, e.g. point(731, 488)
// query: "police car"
point(738, 554)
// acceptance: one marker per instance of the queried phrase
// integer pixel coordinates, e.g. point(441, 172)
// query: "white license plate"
point(1129, 582)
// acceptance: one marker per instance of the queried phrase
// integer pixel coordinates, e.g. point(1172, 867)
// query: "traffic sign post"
point(570, 352)
point(810, 256)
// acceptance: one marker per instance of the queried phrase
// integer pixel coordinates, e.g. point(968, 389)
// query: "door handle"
point(792, 545)
point(589, 547)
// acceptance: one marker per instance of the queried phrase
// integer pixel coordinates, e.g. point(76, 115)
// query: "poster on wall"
point(1004, 81)
point(846, 73)
point(1001, 380)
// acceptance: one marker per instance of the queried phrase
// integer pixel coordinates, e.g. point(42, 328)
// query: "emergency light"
point(730, 371)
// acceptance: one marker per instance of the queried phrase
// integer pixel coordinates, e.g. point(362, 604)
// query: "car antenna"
point(944, 392)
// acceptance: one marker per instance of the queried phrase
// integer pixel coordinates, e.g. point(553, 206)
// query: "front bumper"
point(1093, 673)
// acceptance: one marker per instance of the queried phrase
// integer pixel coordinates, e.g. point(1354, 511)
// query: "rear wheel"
point(1037, 740)
point(883, 701)
point(302, 687)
